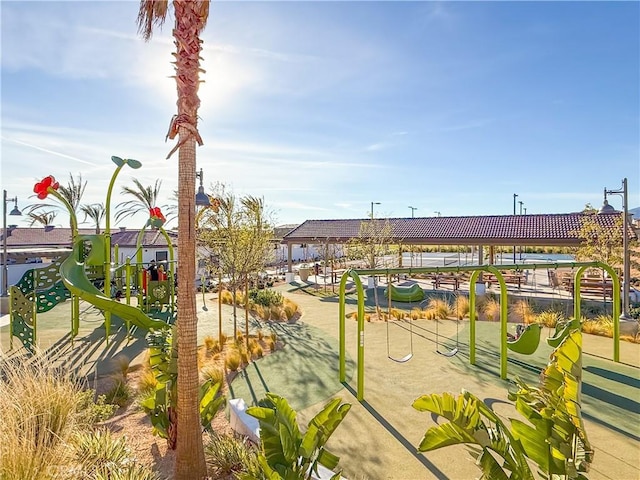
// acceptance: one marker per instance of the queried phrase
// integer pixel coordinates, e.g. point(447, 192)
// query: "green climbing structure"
point(38, 291)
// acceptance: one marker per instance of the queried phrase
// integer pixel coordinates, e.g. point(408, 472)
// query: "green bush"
point(266, 297)
point(102, 457)
point(97, 411)
point(226, 455)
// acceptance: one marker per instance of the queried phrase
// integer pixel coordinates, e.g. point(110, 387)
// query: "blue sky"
point(324, 107)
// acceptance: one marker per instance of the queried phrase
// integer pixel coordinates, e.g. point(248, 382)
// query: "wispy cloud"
point(46, 150)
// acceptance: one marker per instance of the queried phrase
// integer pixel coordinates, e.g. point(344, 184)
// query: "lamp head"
point(606, 208)
point(15, 210)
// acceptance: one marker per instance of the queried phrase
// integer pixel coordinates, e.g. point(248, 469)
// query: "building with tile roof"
point(560, 230)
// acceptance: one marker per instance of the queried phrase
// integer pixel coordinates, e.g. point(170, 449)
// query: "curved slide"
point(414, 293)
point(75, 279)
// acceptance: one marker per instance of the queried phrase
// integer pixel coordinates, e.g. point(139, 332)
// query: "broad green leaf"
point(490, 467)
point(328, 459)
point(443, 436)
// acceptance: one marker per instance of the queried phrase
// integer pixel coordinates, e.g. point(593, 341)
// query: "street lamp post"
point(413, 209)
point(521, 204)
point(372, 204)
point(202, 200)
point(437, 213)
point(15, 211)
point(626, 264)
point(515, 195)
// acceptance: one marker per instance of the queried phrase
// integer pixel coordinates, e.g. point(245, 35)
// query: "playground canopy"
point(491, 230)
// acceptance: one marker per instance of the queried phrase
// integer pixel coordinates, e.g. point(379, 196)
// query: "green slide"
point(76, 280)
point(414, 293)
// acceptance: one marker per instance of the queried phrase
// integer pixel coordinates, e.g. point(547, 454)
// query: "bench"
point(508, 278)
point(248, 426)
point(445, 280)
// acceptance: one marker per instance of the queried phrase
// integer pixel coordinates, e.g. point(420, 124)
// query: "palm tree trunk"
point(190, 462)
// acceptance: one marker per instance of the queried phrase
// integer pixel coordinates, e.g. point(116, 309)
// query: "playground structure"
point(76, 276)
point(523, 344)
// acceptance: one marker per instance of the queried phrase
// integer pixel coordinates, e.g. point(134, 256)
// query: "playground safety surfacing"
point(379, 436)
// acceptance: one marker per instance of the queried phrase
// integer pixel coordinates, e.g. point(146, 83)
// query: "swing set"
point(526, 343)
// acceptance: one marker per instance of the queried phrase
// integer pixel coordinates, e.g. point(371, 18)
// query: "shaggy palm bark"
point(190, 462)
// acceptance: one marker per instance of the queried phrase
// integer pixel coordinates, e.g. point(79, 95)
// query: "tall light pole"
point(437, 213)
point(372, 204)
point(515, 195)
point(202, 200)
point(626, 264)
point(521, 204)
point(413, 209)
point(5, 260)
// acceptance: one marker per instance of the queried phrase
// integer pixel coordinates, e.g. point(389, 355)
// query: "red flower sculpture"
point(42, 188)
point(156, 217)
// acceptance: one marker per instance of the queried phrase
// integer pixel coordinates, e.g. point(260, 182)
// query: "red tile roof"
point(57, 237)
point(539, 230)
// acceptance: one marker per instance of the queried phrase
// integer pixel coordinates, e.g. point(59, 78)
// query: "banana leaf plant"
point(553, 437)
point(286, 453)
point(160, 405)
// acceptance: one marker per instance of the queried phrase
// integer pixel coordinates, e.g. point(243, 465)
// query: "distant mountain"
point(635, 212)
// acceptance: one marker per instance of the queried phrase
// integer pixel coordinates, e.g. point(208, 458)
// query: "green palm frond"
point(42, 218)
point(94, 212)
point(144, 198)
point(73, 191)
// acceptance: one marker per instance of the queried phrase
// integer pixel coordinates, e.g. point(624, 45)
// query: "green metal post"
point(503, 320)
point(472, 316)
point(127, 272)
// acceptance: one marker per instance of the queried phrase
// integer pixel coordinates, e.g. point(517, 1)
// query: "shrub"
point(396, 313)
point(257, 351)
point(103, 457)
point(290, 308)
point(226, 455)
point(548, 318)
point(266, 297)
point(601, 325)
point(260, 335)
point(523, 311)
point(120, 393)
point(223, 340)
point(95, 411)
point(233, 360)
point(39, 415)
point(416, 313)
point(147, 381)
point(273, 336)
point(461, 306)
point(440, 308)
point(210, 343)
point(270, 344)
point(226, 297)
point(213, 373)
point(491, 309)
point(278, 313)
point(121, 364)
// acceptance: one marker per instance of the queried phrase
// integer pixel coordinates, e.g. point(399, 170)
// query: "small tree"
point(599, 243)
point(239, 236)
point(371, 244)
